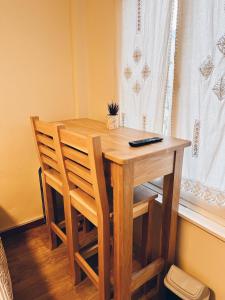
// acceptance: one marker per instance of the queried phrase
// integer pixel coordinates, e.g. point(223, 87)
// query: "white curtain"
point(144, 62)
point(199, 101)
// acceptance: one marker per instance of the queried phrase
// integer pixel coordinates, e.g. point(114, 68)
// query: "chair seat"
point(142, 196)
point(53, 178)
point(86, 205)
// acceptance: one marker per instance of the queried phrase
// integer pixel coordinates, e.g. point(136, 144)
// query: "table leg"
point(122, 179)
point(171, 197)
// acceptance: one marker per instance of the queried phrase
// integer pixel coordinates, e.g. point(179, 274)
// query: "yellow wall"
point(203, 256)
point(56, 63)
point(101, 20)
point(36, 74)
point(94, 47)
point(35, 78)
point(78, 15)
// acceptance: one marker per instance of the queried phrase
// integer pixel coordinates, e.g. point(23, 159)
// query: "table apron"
point(154, 167)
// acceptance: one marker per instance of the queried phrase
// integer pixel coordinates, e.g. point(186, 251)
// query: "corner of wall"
point(79, 56)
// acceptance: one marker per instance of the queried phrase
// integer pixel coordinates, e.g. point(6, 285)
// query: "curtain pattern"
point(199, 101)
point(188, 102)
point(144, 63)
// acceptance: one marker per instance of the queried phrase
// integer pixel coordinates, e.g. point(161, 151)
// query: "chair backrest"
point(45, 135)
point(83, 166)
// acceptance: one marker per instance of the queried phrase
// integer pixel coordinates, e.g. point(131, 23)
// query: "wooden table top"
point(115, 145)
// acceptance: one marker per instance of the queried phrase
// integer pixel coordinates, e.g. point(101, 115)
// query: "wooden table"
point(130, 167)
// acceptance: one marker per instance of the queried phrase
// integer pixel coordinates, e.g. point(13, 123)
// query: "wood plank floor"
point(39, 273)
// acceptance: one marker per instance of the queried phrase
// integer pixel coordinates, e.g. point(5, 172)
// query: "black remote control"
point(145, 142)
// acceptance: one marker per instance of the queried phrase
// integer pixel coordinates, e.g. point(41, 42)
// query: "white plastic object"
point(185, 286)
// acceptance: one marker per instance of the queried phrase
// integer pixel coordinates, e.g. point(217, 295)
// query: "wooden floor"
point(39, 273)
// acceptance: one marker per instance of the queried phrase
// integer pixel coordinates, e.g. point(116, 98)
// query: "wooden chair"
point(83, 172)
point(46, 135)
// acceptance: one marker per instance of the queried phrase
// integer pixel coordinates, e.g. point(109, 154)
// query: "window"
point(145, 62)
point(179, 92)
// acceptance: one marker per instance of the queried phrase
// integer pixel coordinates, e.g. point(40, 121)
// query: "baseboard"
point(23, 227)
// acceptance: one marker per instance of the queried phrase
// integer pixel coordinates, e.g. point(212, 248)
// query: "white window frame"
point(195, 215)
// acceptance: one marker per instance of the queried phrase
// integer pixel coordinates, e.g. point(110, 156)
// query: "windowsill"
point(203, 222)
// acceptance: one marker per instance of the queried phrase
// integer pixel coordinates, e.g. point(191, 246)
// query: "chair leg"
point(146, 238)
point(104, 261)
point(49, 210)
point(72, 234)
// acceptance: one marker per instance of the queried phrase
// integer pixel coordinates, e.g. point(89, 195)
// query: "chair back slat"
point(76, 139)
point(75, 155)
point(47, 151)
point(78, 170)
point(45, 140)
point(44, 127)
point(50, 162)
point(45, 134)
point(81, 183)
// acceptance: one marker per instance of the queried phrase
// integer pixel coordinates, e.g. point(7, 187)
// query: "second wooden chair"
point(82, 168)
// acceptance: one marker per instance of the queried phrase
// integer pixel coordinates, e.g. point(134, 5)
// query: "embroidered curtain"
point(199, 101)
point(144, 62)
